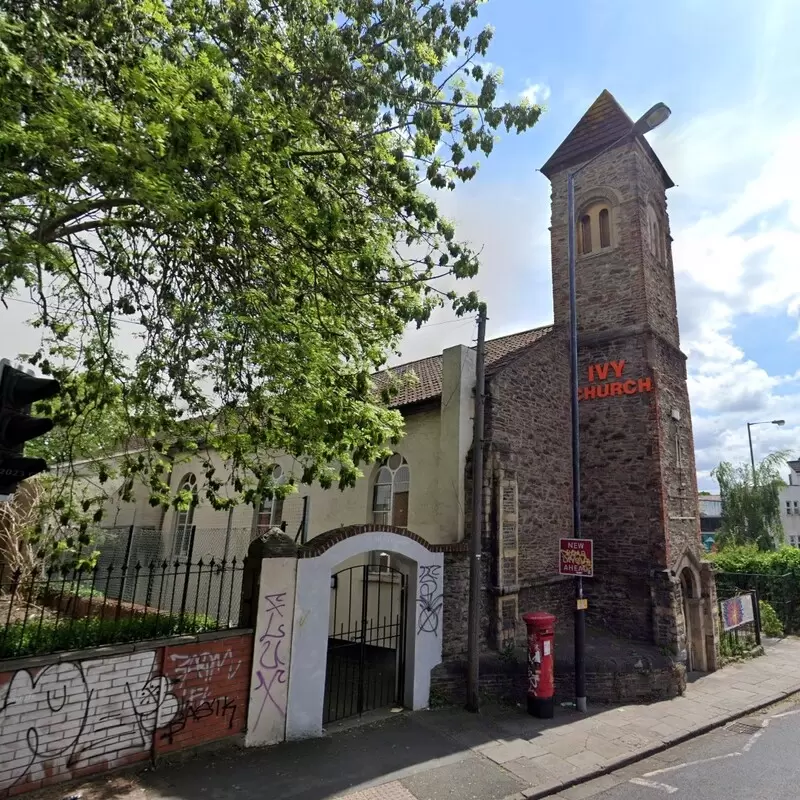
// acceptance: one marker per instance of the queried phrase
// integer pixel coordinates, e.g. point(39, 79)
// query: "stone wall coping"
point(105, 651)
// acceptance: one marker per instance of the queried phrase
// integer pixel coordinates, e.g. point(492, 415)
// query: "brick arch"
point(319, 544)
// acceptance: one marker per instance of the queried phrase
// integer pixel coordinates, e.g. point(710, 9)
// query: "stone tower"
point(638, 484)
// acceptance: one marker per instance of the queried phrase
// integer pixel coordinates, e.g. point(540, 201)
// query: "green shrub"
point(770, 624)
point(48, 636)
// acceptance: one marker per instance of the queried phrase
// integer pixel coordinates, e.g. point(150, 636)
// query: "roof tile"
point(429, 370)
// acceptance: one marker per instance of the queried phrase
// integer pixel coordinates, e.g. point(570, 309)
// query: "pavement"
point(448, 754)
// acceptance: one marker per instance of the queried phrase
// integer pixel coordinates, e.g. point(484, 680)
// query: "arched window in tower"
point(586, 234)
point(605, 227)
point(184, 518)
point(654, 238)
point(270, 511)
point(594, 230)
point(390, 492)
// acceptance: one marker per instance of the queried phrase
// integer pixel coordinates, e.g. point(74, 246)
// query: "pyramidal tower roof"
point(604, 123)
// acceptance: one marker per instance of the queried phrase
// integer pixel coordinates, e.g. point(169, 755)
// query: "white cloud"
point(535, 93)
point(736, 229)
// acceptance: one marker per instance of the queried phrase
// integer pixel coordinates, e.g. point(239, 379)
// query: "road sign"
point(575, 557)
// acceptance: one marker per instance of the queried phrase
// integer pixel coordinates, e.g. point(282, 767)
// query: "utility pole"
point(473, 641)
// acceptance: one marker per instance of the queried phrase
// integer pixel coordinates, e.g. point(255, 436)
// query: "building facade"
point(639, 497)
point(790, 506)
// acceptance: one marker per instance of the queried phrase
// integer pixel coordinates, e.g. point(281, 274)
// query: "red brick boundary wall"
point(70, 715)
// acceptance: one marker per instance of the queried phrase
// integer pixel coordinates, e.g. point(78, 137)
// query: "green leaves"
point(245, 191)
point(751, 503)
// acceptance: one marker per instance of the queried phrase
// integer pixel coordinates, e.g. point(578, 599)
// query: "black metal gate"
point(366, 641)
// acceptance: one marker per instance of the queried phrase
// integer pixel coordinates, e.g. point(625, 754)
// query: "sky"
point(730, 71)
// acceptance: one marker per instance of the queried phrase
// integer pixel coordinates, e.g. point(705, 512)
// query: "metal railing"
point(782, 592)
point(53, 608)
point(740, 624)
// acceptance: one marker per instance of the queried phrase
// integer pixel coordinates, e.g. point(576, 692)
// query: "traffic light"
point(18, 391)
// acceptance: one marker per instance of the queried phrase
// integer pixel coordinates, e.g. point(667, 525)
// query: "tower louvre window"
point(595, 229)
point(586, 234)
point(605, 228)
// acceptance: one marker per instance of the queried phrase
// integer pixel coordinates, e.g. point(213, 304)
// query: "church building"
point(400, 537)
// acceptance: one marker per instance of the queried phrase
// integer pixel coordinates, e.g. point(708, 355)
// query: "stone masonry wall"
point(624, 284)
point(620, 483)
point(678, 472)
point(527, 425)
point(67, 716)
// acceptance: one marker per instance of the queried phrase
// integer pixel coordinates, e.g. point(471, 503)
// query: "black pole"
point(580, 611)
point(186, 579)
point(473, 641)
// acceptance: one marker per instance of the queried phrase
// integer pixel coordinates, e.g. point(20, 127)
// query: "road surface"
point(755, 758)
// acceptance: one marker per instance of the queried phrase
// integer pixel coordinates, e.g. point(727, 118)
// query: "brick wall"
point(64, 717)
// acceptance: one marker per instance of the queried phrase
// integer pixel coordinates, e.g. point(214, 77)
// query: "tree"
point(751, 511)
point(248, 186)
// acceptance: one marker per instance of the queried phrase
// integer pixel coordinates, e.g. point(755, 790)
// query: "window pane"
point(277, 511)
point(586, 234)
point(605, 228)
point(395, 460)
point(380, 517)
point(382, 497)
point(400, 510)
point(401, 480)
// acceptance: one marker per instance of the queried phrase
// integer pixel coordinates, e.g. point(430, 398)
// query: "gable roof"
point(795, 466)
point(603, 124)
point(429, 370)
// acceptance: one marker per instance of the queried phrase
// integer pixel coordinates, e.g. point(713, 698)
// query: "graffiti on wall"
point(74, 713)
point(429, 598)
point(193, 676)
point(271, 668)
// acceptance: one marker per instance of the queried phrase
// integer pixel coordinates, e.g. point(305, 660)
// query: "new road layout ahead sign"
point(575, 557)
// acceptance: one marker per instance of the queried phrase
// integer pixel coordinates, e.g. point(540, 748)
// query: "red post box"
point(541, 630)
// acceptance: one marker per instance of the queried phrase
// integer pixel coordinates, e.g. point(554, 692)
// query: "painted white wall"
point(790, 514)
point(312, 614)
point(436, 502)
point(74, 714)
point(455, 440)
point(272, 653)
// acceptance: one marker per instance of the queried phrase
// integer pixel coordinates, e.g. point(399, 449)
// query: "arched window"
point(184, 518)
point(605, 228)
point(270, 512)
point(390, 492)
point(594, 230)
point(654, 238)
point(586, 234)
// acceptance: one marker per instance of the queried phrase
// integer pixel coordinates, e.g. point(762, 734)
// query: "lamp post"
point(649, 120)
point(777, 422)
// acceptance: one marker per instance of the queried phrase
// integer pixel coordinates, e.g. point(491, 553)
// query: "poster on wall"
point(575, 557)
point(737, 611)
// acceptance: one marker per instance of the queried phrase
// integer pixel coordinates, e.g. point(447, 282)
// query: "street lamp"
point(777, 422)
point(652, 118)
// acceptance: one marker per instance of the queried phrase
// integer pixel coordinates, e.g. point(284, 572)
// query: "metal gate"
point(366, 641)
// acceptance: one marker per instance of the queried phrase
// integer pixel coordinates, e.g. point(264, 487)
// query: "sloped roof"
point(795, 466)
point(429, 370)
point(604, 123)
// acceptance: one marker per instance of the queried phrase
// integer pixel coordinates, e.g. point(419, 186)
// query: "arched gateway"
point(349, 622)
